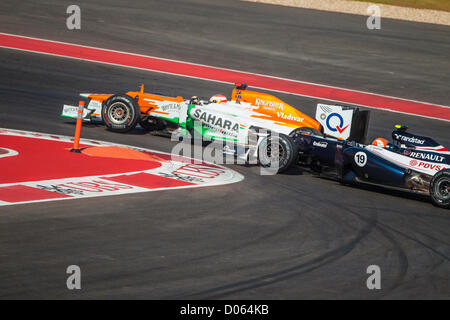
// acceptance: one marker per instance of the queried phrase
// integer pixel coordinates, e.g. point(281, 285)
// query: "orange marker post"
point(76, 140)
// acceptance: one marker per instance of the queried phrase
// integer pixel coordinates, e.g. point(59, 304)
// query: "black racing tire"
point(440, 189)
point(153, 124)
point(121, 113)
point(287, 152)
point(305, 130)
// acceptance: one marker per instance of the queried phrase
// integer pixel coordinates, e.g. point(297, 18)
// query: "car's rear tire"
point(440, 189)
point(286, 155)
point(121, 113)
point(305, 130)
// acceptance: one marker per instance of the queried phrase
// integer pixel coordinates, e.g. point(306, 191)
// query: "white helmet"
point(218, 98)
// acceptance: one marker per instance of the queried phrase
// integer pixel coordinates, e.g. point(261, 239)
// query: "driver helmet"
point(194, 100)
point(380, 142)
point(218, 98)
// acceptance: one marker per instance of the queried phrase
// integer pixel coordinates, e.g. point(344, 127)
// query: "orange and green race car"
point(248, 118)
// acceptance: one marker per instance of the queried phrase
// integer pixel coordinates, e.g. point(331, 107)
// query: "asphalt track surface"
point(290, 236)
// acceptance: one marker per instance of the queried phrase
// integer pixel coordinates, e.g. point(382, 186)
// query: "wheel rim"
point(276, 154)
point(118, 113)
point(443, 189)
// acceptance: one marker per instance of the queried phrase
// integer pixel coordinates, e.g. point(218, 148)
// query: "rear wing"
point(348, 123)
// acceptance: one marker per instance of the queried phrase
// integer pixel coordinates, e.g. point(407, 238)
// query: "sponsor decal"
point(430, 166)
point(180, 177)
point(320, 144)
point(265, 103)
point(426, 156)
point(336, 120)
point(81, 187)
point(71, 109)
point(60, 189)
point(413, 163)
point(282, 115)
point(340, 127)
point(199, 171)
point(409, 139)
point(95, 186)
point(216, 122)
point(171, 107)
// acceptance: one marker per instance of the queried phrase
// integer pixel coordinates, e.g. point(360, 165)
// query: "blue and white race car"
point(409, 163)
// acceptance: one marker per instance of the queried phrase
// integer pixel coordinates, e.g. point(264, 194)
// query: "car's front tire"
point(306, 131)
point(121, 113)
point(440, 189)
